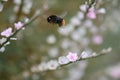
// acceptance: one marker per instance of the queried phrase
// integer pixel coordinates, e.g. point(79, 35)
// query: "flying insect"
point(56, 20)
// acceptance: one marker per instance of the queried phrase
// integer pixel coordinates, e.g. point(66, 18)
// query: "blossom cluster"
point(7, 33)
point(92, 12)
point(71, 57)
point(62, 60)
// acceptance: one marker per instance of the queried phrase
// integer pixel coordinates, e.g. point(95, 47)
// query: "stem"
point(35, 16)
point(19, 11)
point(101, 53)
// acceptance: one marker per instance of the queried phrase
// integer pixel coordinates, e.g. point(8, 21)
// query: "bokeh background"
point(41, 41)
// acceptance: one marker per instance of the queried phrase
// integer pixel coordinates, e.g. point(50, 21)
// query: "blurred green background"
point(32, 47)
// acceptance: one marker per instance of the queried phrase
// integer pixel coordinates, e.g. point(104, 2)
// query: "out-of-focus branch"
point(19, 11)
point(90, 4)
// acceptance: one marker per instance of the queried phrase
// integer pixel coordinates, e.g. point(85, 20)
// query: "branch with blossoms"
point(85, 56)
point(89, 9)
point(9, 35)
point(70, 58)
point(90, 3)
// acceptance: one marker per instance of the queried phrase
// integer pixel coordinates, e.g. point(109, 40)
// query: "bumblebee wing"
point(63, 14)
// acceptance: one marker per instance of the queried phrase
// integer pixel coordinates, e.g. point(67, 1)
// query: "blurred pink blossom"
point(18, 25)
point(72, 56)
point(91, 13)
point(97, 39)
point(7, 32)
point(83, 8)
point(114, 72)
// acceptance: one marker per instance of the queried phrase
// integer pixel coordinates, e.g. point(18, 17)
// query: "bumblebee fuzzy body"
point(56, 20)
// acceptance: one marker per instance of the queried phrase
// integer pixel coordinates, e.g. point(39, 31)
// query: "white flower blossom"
point(63, 60)
point(2, 49)
point(42, 66)
point(2, 40)
point(101, 11)
point(51, 39)
point(84, 54)
point(52, 65)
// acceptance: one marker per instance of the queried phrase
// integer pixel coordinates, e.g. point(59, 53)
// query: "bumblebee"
point(56, 20)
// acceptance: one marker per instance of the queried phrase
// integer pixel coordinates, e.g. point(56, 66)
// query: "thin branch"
point(101, 53)
point(90, 5)
point(35, 16)
point(19, 11)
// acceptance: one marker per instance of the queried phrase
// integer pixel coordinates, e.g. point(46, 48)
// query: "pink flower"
point(97, 39)
point(114, 72)
point(18, 25)
point(7, 32)
point(72, 56)
point(83, 7)
point(91, 13)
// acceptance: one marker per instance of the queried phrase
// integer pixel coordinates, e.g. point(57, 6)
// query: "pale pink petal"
point(91, 14)
point(114, 72)
point(83, 8)
point(18, 25)
point(7, 32)
point(72, 56)
point(97, 39)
